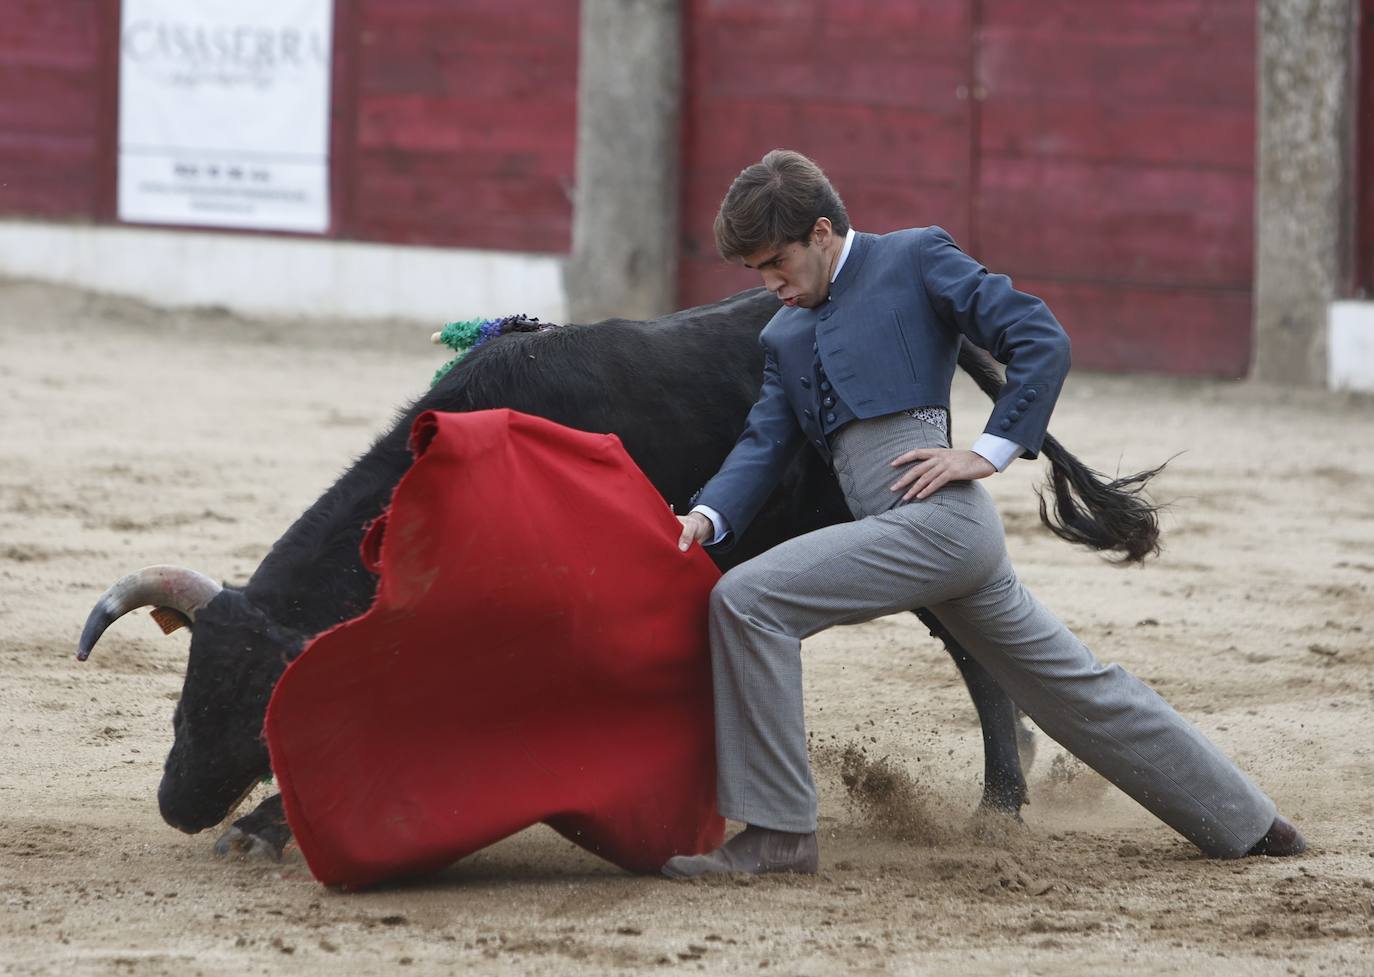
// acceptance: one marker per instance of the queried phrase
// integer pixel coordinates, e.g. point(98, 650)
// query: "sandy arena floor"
point(131, 436)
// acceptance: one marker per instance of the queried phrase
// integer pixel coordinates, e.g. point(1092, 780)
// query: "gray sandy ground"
point(131, 436)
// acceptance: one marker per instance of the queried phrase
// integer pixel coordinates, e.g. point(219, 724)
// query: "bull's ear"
point(170, 620)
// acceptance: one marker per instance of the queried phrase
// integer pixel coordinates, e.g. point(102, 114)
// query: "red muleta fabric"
point(537, 651)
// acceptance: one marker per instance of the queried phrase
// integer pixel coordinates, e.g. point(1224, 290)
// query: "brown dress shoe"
point(1281, 839)
point(754, 851)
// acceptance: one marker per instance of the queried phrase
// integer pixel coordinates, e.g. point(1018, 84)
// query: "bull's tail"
point(1084, 507)
point(1108, 515)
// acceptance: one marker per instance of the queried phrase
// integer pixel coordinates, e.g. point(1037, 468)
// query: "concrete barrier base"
point(266, 275)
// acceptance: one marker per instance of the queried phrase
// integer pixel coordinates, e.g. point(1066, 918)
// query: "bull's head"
point(237, 654)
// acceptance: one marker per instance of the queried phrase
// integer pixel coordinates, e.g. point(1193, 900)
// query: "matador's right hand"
point(696, 528)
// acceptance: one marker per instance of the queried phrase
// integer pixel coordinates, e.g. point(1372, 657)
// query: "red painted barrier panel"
point(1103, 150)
point(1116, 221)
point(1116, 148)
point(1103, 153)
point(1142, 329)
point(465, 124)
point(50, 63)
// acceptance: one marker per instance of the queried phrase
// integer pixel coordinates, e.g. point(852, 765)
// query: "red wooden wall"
point(1101, 154)
point(1116, 173)
point(454, 123)
point(464, 118)
point(53, 147)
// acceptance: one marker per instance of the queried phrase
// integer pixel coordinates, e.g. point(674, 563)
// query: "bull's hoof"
point(238, 843)
point(990, 810)
point(995, 825)
point(1005, 797)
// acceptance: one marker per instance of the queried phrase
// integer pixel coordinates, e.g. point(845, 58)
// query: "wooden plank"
point(48, 176)
point(1194, 332)
point(533, 71)
point(909, 66)
point(51, 33)
point(850, 140)
point(106, 191)
point(949, 15)
point(50, 115)
point(1119, 70)
point(429, 124)
point(1364, 179)
point(445, 200)
point(1144, 224)
point(496, 16)
point(475, 50)
point(1218, 136)
point(455, 59)
point(1116, 173)
point(1193, 22)
point(40, 98)
point(463, 124)
point(343, 115)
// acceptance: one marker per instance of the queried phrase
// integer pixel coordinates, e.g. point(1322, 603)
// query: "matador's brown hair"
point(776, 201)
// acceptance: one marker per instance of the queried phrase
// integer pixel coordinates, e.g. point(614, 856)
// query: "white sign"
point(224, 113)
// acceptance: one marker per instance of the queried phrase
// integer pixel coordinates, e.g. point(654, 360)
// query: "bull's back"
point(675, 390)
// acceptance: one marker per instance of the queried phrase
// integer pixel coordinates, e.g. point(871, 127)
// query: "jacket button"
point(1021, 404)
point(815, 347)
point(806, 382)
point(1015, 415)
point(825, 386)
point(828, 402)
point(1005, 425)
point(1030, 394)
point(806, 412)
point(830, 418)
point(820, 443)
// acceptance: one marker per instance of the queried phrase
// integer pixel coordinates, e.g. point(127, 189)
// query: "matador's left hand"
point(935, 467)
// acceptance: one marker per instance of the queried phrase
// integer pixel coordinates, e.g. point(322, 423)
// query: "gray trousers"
point(946, 553)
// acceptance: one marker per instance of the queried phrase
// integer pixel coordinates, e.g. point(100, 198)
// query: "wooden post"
point(625, 204)
point(1303, 188)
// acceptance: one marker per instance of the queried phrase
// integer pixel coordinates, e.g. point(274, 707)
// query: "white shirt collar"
point(848, 243)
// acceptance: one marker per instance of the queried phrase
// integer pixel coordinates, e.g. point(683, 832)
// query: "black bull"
point(676, 390)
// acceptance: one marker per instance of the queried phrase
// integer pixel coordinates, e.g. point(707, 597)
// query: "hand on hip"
point(933, 467)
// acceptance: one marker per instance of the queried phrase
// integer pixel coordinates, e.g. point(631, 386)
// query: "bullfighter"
point(858, 365)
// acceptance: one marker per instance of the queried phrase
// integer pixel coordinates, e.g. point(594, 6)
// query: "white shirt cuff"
point(718, 523)
point(998, 451)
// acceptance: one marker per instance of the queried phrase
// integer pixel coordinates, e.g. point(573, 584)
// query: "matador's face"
point(799, 272)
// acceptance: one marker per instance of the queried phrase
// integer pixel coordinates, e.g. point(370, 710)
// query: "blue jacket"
point(888, 340)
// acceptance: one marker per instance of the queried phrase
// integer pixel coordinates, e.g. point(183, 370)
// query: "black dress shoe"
point(754, 851)
point(1281, 839)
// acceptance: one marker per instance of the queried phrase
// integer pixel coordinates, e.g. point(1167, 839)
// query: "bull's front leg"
point(1006, 740)
point(263, 833)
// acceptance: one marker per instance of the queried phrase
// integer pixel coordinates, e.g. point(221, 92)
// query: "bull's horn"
point(182, 590)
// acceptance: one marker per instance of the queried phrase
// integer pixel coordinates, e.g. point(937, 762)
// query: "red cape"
point(536, 652)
